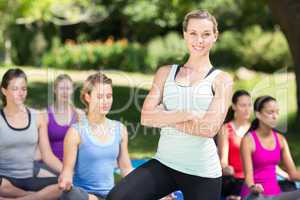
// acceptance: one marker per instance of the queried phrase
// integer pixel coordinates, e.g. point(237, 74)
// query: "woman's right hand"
point(228, 170)
point(65, 181)
point(257, 188)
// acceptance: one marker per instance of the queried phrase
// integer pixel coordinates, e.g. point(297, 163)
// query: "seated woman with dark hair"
point(262, 149)
point(236, 124)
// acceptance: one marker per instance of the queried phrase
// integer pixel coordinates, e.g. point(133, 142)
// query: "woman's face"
point(269, 114)
point(243, 108)
point(100, 99)
point(16, 91)
point(64, 90)
point(200, 36)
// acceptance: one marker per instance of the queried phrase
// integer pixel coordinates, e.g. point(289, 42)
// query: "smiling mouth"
point(198, 48)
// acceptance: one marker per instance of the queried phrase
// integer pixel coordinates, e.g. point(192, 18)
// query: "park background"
point(129, 39)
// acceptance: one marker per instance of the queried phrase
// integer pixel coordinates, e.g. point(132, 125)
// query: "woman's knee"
point(121, 193)
point(4, 185)
point(6, 188)
point(74, 194)
point(114, 194)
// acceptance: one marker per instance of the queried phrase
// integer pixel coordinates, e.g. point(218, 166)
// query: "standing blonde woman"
point(189, 103)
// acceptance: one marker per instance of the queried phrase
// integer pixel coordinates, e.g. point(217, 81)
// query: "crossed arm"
point(201, 124)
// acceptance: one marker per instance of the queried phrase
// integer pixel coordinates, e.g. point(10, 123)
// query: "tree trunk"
point(7, 50)
point(287, 15)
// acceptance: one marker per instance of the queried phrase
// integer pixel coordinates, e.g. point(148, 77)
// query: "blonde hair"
point(90, 82)
point(60, 78)
point(200, 14)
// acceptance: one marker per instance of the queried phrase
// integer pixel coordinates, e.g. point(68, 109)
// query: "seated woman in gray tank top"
point(22, 130)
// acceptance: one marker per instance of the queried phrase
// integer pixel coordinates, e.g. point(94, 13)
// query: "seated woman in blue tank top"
point(94, 146)
point(22, 130)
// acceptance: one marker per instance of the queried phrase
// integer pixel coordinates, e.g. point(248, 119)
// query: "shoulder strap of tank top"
point(276, 139)
point(210, 77)
point(2, 113)
point(177, 70)
point(75, 115)
point(118, 131)
point(50, 114)
point(172, 72)
point(210, 71)
point(256, 140)
point(230, 129)
point(83, 128)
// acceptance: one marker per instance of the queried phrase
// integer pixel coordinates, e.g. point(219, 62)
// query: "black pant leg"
point(150, 181)
point(33, 184)
point(198, 188)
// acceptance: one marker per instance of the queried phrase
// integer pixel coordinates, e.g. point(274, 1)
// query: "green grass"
point(130, 95)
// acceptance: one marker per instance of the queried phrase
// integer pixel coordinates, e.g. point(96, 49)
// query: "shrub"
point(165, 50)
point(226, 51)
point(94, 55)
point(265, 51)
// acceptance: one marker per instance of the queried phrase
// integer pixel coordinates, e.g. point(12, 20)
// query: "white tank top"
point(194, 155)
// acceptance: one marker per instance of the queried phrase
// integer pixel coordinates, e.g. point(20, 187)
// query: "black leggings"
point(153, 180)
point(231, 186)
point(31, 184)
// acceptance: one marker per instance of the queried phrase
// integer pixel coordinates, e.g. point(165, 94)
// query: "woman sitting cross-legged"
point(94, 146)
point(262, 149)
point(22, 131)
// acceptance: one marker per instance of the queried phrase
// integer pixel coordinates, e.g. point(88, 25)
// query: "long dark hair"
point(7, 77)
point(235, 98)
point(258, 106)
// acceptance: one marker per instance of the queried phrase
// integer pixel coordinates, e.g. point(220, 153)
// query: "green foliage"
point(254, 48)
point(247, 37)
point(167, 50)
point(239, 14)
point(117, 54)
point(94, 55)
point(226, 51)
point(265, 51)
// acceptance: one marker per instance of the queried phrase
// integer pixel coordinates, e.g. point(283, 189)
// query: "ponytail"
point(230, 115)
point(254, 125)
